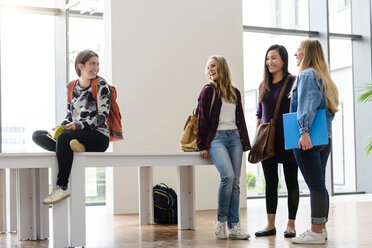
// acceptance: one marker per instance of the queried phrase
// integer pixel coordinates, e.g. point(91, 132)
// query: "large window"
point(28, 71)
point(339, 16)
point(287, 22)
point(287, 14)
point(343, 155)
point(27, 78)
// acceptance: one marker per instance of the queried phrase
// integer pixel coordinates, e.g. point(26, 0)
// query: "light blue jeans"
point(226, 151)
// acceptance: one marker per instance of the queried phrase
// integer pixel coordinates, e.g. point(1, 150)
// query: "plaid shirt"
point(207, 125)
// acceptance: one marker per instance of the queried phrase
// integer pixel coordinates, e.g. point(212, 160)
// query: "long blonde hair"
point(223, 84)
point(313, 58)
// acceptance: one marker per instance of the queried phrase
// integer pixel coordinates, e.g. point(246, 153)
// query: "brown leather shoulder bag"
point(264, 140)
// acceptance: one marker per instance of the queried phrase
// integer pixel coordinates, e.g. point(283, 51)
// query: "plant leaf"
point(367, 94)
point(369, 146)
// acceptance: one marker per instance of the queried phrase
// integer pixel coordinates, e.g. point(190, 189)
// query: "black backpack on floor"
point(165, 204)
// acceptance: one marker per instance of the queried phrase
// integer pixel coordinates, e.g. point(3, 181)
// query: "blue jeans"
point(312, 164)
point(226, 151)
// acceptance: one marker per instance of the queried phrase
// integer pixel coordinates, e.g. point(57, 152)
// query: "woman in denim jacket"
point(314, 90)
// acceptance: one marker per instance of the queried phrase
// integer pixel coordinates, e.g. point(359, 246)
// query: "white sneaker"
point(310, 237)
point(325, 233)
point(220, 230)
point(237, 233)
point(76, 146)
point(57, 195)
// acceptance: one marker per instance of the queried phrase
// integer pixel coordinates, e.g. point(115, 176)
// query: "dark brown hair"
point(82, 58)
point(268, 77)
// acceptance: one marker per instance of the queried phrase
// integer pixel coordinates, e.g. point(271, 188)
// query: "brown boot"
point(76, 146)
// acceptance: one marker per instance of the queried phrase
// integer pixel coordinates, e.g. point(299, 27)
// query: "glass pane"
point(85, 33)
point(27, 78)
point(339, 16)
point(36, 3)
point(88, 33)
point(255, 46)
point(292, 14)
point(343, 124)
point(89, 6)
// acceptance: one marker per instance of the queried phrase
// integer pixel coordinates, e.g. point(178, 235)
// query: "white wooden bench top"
point(105, 159)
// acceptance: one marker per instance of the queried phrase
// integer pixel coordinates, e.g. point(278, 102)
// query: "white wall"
point(156, 55)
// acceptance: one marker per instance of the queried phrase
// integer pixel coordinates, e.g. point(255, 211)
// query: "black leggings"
point(93, 141)
point(270, 169)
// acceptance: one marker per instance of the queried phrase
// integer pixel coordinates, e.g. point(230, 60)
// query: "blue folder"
point(318, 130)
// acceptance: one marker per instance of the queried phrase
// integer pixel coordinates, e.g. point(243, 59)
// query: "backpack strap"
point(70, 89)
point(94, 87)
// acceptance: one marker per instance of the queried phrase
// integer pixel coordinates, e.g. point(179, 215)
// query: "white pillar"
point(362, 70)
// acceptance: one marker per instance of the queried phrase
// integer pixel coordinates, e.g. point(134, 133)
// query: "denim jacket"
point(307, 98)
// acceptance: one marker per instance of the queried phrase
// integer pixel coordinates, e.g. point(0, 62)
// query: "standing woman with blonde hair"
point(222, 135)
point(314, 90)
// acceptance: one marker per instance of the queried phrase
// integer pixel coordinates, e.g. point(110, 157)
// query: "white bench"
point(69, 216)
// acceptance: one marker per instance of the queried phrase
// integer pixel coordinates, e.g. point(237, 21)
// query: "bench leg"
point(77, 223)
point(186, 197)
point(2, 201)
point(146, 205)
point(60, 215)
point(26, 204)
point(42, 188)
point(12, 192)
point(32, 215)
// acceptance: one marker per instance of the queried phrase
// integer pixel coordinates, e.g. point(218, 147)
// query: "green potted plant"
point(367, 97)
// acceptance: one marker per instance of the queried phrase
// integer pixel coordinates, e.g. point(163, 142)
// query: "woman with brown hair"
point(85, 125)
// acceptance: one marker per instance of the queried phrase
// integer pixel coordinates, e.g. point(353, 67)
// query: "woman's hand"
point(204, 154)
point(305, 142)
point(70, 126)
point(55, 128)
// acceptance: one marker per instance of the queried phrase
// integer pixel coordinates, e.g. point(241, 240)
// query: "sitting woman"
point(85, 125)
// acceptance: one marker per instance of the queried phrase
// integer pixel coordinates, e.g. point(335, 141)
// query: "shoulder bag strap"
point(280, 98)
point(212, 102)
point(213, 98)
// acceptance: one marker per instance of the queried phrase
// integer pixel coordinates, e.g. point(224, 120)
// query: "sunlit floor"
point(350, 225)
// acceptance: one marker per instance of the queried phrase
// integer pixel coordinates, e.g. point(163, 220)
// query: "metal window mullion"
point(345, 36)
point(61, 61)
point(76, 13)
point(280, 31)
point(319, 20)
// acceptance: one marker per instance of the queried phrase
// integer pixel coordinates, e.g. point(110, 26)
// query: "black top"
point(265, 112)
